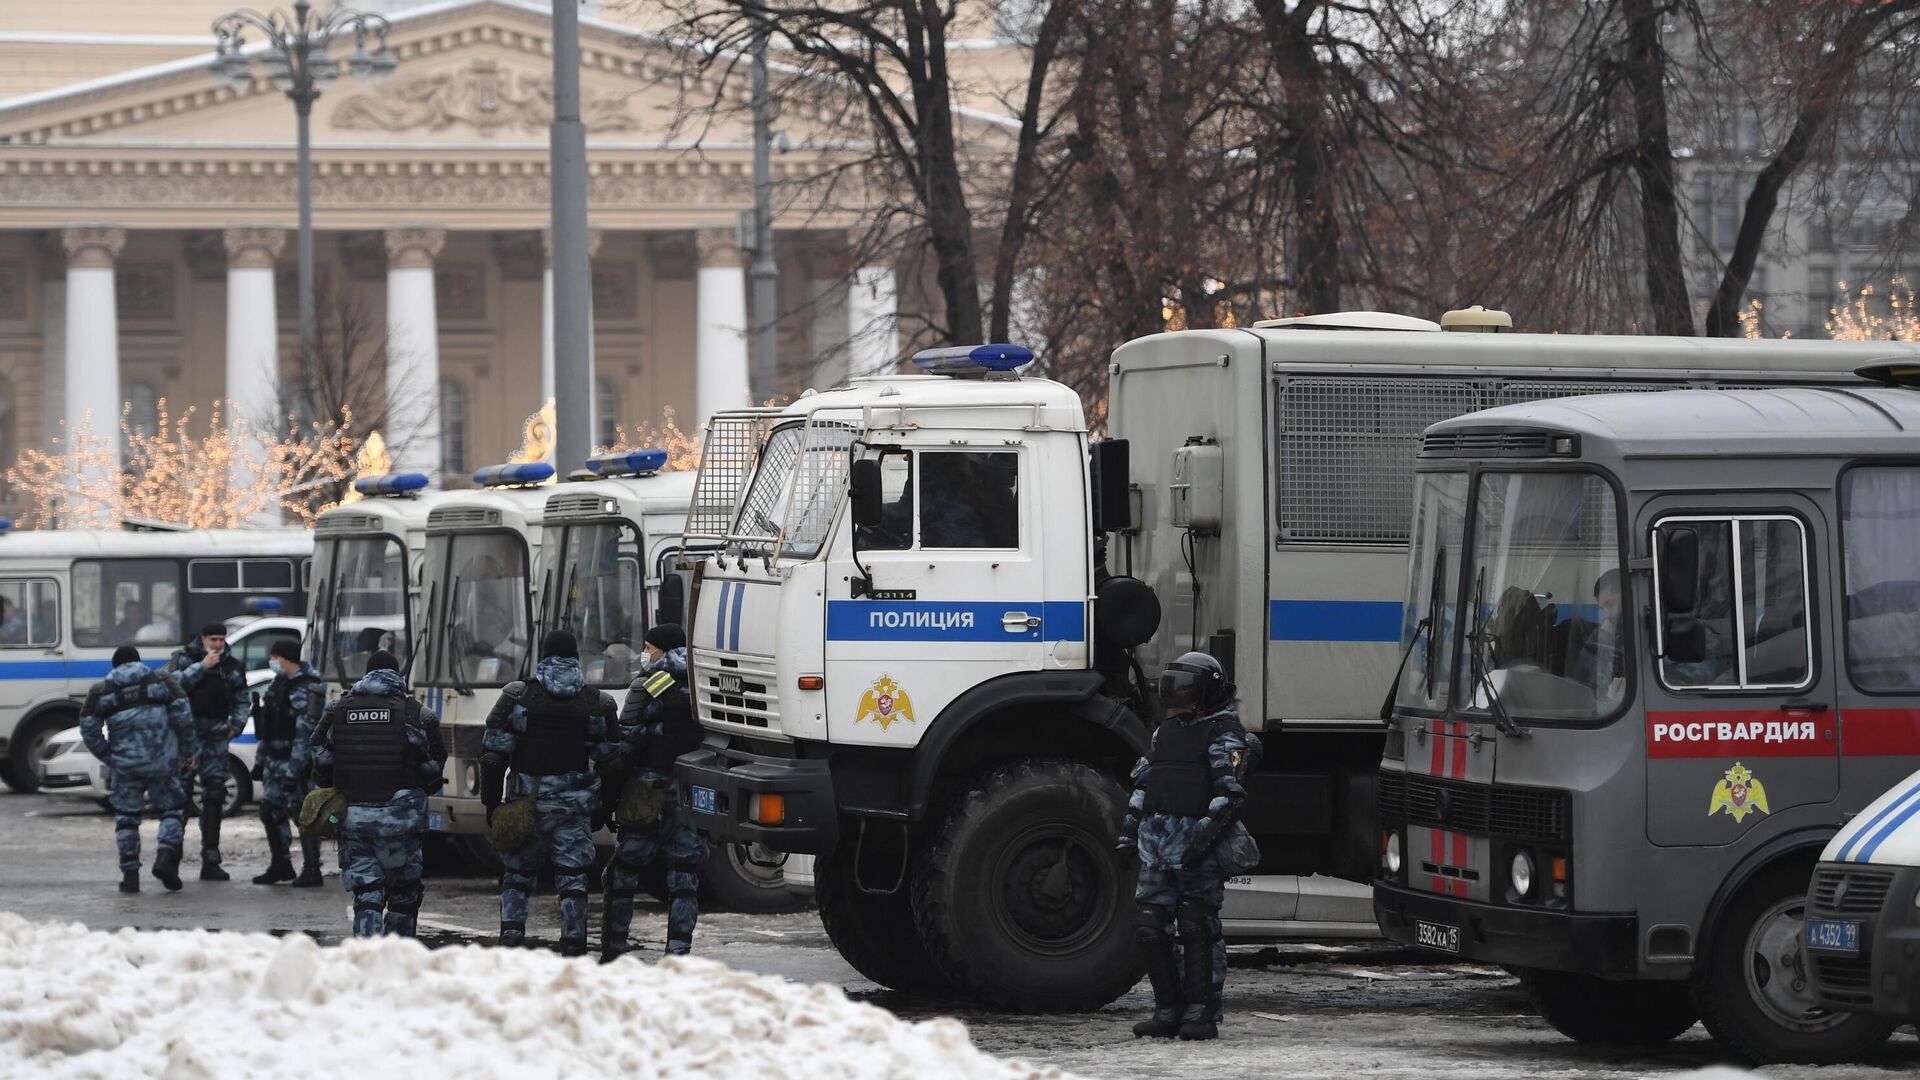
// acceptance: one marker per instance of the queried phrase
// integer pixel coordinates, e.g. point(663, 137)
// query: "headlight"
point(472, 777)
point(1521, 873)
point(1916, 898)
point(1393, 853)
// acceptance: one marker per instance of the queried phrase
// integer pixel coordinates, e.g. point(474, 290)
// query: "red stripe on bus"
point(1438, 766)
point(1438, 844)
point(1880, 732)
point(1741, 733)
point(1460, 859)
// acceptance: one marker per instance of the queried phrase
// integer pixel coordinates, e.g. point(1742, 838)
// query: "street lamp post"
point(296, 59)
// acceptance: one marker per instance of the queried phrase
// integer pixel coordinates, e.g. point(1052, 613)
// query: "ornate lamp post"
point(296, 59)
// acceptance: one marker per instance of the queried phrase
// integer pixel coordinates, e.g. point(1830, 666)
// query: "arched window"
point(142, 418)
point(606, 411)
point(453, 427)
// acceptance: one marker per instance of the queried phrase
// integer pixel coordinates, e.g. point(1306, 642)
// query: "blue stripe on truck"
point(1334, 620)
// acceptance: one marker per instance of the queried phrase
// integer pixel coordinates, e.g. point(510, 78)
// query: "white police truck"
point(915, 662)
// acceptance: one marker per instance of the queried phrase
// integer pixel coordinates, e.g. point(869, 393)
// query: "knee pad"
point(572, 894)
point(1152, 917)
point(368, 899)
point(1197, 921)
point(1151, 937)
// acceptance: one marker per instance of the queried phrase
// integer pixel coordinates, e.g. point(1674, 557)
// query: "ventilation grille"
point(454, 517)
point(1490, 810)
point(338, 522)
point(1486, 442)
point(1844, 980)
point(1850, 892)
point(575, 505)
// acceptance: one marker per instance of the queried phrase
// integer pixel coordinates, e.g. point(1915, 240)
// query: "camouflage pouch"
point(321, 813)
point(512, 827)
point(1238, 852)
point(643, 804)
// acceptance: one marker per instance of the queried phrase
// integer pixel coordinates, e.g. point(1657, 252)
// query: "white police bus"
point(68, 598)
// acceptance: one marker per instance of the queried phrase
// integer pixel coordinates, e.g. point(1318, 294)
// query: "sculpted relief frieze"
point(483, 95)
point(491, 191)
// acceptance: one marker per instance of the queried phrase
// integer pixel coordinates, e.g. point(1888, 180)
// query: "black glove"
point(1204, 842)
point(602, 817)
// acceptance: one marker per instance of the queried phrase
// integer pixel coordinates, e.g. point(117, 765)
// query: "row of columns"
point(88, 378)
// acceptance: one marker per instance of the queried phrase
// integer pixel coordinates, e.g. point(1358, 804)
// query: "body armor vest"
point(555, 742)
point(372, 758)
point(1180, 778)
point(211, 698)
point(679, 732)
point(277, 721)
point(150, 690)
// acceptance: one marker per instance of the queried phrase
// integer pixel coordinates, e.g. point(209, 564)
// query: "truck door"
point(1741, 724)
point(957, 592)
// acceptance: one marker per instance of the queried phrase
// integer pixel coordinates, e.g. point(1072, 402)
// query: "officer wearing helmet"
point(1181, 824)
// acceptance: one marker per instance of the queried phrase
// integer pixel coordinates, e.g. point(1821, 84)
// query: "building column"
point(413, 350)
point(720, 312)
point(873, 321)
point(53, 345)
point(92, 376)
point(253, 347)
point(546, 310)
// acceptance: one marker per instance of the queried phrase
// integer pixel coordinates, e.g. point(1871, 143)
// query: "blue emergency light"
point(628, 462)
point(404, 483)
point(265, 605)
point(963, 361)
point(6, 525)
point(523, 474)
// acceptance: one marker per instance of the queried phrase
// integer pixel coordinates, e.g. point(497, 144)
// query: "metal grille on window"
point(1346, 448)
point(728, 453)
point(761, 510)
point(828, 448)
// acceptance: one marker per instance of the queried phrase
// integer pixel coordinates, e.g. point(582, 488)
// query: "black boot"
point(1196, 947)
point(210, 867)
point(513, 935)
point(130, 881)
point(309, 877)
point(1163, 973)
point(573, 946)
point(309, 863)
point(166, 868)
point(277, 871)
point(614, 950)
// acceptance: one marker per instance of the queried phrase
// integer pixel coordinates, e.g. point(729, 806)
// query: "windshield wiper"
point(424, 646)
point(459, 640)
point(1495, 708)
point(1393, 689)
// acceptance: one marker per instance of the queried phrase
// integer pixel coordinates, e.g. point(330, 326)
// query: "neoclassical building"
point(147, 213)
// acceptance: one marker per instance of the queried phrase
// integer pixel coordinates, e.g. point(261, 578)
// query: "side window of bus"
point(126, 602)
point(29, 613)
point(1880, 516)
point(969, 500)
point(1746, 627)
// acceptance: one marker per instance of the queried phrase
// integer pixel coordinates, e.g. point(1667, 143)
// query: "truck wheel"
point(21, 770)
point(748, 878)
point(873, 933)
point(1753, 991)
point(1593, 1010)
point(1018, 896)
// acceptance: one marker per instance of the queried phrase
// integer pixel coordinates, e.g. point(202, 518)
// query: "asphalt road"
point(1296, 1010)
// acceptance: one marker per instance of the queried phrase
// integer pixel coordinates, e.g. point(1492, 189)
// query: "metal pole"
point(765, 273)
point(572, 274)
point(309, 346)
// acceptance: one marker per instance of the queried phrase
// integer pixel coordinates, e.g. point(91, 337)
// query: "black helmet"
point(1194, 681)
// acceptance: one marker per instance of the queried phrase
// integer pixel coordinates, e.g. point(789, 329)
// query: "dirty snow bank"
point(80, 1003)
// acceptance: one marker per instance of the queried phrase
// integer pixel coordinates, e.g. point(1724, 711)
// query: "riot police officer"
point(137, 721)
point(553, 733)
point(656, 726)
point(284, 726)
point(382, 750)
point(1180, 823)
point(216, 686)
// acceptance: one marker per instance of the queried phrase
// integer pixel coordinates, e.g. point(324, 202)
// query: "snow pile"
point(81, 1003)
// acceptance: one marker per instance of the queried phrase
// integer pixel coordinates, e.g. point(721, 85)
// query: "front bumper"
point(1514, 937)
point(811, 825)
point(1885, 978)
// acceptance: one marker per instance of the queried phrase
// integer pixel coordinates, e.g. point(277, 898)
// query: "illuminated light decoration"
point(683, 449)
point(391, 484)
point(536, 437)
point(963, 361)
point(513, 474)
point(265, 605)
point(372, 459)
point(628, 462)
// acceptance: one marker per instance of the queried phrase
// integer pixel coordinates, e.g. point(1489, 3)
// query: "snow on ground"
point(194, 1004)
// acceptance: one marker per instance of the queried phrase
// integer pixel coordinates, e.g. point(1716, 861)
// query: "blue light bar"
point(265, 605)
point(391, 484)
point(965, 360)
point(524, 474)
point(6, 525)
point(628, 463)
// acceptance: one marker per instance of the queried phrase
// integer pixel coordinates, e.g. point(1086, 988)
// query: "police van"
point(69, 598)
point(1862, 932)
point(1655, 650)
point(920, 654)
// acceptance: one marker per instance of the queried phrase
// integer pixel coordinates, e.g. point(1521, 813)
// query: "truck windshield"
point(361, 583)
point(598, 595)
point(480, 630)
point(796, 490)
point(1545, 594)
point(1427, 635)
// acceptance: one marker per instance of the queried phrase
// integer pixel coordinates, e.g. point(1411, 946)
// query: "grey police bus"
point(1653, 661)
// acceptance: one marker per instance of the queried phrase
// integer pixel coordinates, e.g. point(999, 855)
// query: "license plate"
point(705, 801)
point(1834, 935)
point(1436, 936)
point(437, 822)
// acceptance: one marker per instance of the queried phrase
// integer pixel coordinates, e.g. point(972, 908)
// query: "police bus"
point(69, 598)
point(1657, 649)
point(916, 661)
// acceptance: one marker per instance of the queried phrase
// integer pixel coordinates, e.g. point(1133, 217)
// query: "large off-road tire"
point(1611, 1013)
point(1752, 987)
point(21, 770)
point(748, 878)
point(874, 933)
point(1018, 896)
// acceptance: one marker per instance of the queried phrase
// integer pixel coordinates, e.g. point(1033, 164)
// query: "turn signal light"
point(769, 809)
point(1559, 869)
point(812, 682)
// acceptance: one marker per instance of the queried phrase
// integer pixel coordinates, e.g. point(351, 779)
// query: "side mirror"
point(1110, 470)
point(1686, 640)
point(864, 485)
point(673, 600)
point(1679, 570)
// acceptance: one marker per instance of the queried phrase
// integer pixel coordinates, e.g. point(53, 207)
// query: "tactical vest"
point(277, 721)
point(211, 698)
point(679, 732)
point(150, 690)
point(1180, 776)
point(557, 732)
point(372, 758)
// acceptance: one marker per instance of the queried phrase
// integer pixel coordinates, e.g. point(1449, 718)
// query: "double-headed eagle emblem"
point(1739, 794)
point(885, 702)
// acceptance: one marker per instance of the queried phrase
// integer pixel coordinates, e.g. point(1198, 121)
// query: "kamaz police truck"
point(1655, 650)
point(914, 659)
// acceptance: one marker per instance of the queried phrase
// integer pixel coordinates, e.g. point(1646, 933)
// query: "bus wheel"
point(1019, 897)
point(1753, 991)
point(21, 770)
point(874, 933)
point(1587, 1009)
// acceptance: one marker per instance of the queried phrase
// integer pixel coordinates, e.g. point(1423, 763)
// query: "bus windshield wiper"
point(1495, 708)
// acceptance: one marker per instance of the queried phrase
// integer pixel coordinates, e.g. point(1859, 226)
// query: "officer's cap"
point(382, 661)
